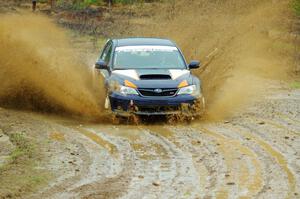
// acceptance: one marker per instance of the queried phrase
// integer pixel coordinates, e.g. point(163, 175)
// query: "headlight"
point(128, 91)
point(189, 90)
point(123, 90)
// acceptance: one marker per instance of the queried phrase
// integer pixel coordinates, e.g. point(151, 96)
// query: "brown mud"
point(245, 157)
point(242, 44)
point(40, 70)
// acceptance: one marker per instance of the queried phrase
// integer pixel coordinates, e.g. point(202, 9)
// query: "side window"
point(104, 52)
point(108, 55)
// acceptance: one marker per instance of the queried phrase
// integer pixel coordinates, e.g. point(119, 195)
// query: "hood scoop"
point(154, 76)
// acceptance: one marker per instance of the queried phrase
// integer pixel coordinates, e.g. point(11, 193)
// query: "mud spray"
point(39, 69)
point(243, 45)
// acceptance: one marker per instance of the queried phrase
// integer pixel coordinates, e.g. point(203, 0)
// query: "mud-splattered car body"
point(149, 76)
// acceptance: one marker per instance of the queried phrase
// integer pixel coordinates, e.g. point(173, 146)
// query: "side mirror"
point(194, 64)
point(101, 64)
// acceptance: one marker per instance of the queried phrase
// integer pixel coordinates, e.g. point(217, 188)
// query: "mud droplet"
point(230, 183)
point(156, 184)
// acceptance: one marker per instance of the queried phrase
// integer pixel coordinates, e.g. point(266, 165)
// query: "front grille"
point(158, 92)
point(155, 109)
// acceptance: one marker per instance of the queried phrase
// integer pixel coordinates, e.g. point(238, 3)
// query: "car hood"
point(154, 78)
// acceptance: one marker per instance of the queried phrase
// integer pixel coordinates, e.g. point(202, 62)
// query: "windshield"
point(148, 57)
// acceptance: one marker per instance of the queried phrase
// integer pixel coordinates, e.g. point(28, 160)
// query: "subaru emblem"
point(158, 90)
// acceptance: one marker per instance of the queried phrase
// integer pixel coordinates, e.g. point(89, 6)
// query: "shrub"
point(296, 6)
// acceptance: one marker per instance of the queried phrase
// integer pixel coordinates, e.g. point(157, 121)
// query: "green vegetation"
point(20, 176)
point(296, 6)
point(23, 148)
point(82, 4)
point(295, 85)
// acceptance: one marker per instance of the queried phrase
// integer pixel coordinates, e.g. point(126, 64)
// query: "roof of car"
point(144, 41)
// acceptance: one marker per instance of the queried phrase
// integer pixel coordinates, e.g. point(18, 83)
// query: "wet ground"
point(255, 154)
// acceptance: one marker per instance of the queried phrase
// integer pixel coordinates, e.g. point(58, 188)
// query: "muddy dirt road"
point(253, 155)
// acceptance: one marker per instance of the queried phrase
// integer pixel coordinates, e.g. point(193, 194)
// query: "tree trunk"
point(109, 2)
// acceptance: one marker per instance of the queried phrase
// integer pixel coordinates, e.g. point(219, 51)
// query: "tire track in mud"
point(282, 137)
point(236, 168)
point(96, 179)
point(159, 160)
point(277, 124)
point(186, 182)
point(126, 175)
point(285, 117)
point(227, 184)
point(288, 121)
point(57, 188)
point(251, 156)
point(284, 122)
point(280, 159)
point(244, 180)
point(110, 185)
point(201, 153)
point(271, 154)
point(253, 176)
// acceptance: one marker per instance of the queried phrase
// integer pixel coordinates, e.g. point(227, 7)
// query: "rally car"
point(149, 76)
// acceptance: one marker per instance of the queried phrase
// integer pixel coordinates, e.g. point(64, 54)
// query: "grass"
point(295, 85)
point(23, 150)
point(83, 4)
point(19, 176)
point(296, 6)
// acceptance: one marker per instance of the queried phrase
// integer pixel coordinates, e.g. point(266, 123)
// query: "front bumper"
point(135, 104)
